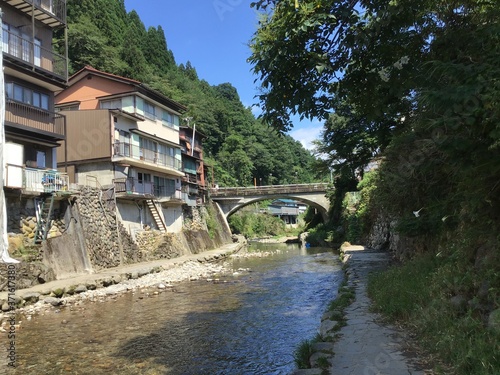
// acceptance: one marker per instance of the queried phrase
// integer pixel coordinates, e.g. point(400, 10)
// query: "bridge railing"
point(268, 190)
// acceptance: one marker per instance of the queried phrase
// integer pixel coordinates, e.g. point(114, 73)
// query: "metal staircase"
point(157, 215)
point(43, 209)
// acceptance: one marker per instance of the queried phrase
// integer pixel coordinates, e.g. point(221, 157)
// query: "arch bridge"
point(231, 199)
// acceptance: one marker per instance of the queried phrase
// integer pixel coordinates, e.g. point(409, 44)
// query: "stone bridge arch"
point(231, 200)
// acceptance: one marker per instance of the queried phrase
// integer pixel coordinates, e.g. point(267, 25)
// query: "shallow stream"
point(246, 323)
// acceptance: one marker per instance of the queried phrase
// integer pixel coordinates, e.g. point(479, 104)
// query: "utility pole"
point(4, 240)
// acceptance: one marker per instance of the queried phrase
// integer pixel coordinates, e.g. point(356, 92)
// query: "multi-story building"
point(123, 135)
point(33, 72)
point(194, 186)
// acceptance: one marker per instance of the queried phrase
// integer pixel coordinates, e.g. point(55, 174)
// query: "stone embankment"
point(362, 344)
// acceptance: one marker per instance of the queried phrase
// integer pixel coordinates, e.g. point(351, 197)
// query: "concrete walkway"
point(365, 345)
point(116, 274)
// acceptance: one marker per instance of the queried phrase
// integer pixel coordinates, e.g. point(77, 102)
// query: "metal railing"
point(36, 180)
point(33, 117)
point(27, 51)
point(140, 153)
point(134, 186)
point(268, 190)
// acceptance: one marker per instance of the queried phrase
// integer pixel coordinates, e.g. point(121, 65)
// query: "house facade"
point(194, 184)
point(33, 72)
point(124, 136)
point(287, 210)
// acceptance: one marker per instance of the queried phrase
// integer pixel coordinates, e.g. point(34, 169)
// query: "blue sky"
point(214, 36)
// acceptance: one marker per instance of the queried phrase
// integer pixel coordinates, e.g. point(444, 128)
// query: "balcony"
point(190, 178)
point(148, 159)
point(134, 188)
point(24, 116)
point(50, 12)
point(32, 180)
point(28, 53)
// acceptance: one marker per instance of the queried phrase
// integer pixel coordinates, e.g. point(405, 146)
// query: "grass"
point(304, 352)
point(418, 295)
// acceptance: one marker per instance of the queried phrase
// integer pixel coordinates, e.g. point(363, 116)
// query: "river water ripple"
point(249, 323)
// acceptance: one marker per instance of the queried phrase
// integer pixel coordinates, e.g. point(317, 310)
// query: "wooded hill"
point(240, 147)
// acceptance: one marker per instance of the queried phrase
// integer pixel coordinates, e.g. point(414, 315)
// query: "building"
point(123, 136)
point(194, 185)
point(33, 72)
point(286, 209)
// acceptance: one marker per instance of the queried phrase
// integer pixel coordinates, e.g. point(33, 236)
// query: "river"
point(247, 323)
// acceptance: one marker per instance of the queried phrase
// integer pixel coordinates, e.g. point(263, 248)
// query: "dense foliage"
point(253, 224)
point(241, 149)
point(416, 83)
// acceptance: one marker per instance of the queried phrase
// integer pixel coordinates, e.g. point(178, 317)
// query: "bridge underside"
point(229, 205)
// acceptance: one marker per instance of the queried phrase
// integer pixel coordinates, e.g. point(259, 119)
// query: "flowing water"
point(249, 323)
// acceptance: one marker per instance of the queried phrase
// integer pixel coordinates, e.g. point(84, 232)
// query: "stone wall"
point(100, 229)
point(21, 219)
point(193, 239)
point(27, 274)
point(384, 236)
point(90, 237)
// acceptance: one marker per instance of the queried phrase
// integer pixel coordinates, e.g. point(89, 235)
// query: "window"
point(149, 110)
point(164, 187)
point(111, 104)
point(122, 143)
point(70, 107)
point(170, 120)
point(27, 96)
point(37, 52)
point(40, 159)
point(148, 149)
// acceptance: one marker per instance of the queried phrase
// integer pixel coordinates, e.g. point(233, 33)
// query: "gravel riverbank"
point(147, 278)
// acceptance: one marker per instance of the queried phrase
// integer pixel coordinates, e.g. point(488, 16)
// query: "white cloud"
point(305, 133)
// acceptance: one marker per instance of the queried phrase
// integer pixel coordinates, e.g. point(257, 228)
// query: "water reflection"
point(250, 324)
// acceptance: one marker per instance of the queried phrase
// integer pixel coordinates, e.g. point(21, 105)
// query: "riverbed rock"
point(326, 328)
point(319, 359)
point(52, 301)
point(80, 289)
point(325, 347)
point(58, 292)
point(31, 297)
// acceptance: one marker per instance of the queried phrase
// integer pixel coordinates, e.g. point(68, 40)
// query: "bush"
point(252, 224)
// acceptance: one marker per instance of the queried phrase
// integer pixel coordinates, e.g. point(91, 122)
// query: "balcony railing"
point(50, 12)
point(134, 186)
point(35, 180)
point(33, 54)
point(139, 153)
point(17, 113)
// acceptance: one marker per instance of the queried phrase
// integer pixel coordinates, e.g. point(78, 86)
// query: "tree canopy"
point(413, 82)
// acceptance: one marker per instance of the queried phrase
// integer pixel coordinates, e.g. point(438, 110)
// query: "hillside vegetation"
point(238, 146)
